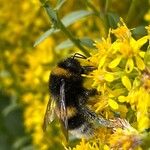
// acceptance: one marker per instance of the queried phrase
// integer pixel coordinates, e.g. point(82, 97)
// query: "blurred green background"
point(24, 69)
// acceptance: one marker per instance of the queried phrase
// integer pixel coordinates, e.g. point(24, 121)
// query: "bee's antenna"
point(78, 55)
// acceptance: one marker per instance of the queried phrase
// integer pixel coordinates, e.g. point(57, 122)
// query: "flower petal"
point(113, 104)
point(142, 41)
point(129, 65)
point(121, 98)
point(115, 62)
point(109, 77)
point(140, 63)
point(102, 61)
point(126, 82)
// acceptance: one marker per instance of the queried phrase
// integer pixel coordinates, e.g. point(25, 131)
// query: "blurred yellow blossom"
point(147, 16)
point(122, 32)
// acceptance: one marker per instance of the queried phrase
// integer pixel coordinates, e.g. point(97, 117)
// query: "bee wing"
point(49, 114)
point(98, 120)
point(63, 110)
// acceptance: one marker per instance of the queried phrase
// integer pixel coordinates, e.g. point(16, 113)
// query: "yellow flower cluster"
point(123, 79)
point(41, 56)
point(33, 120)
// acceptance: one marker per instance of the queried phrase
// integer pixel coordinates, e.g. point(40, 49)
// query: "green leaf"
point(10, 108)
point(67, 20)
point(45, 35)
point(14, 120)
point(21, 142)
point(68, 44)
point(139, 32)
point(65, 44)
point(87, 42)
point(30, 147)
point(51, 13)
point(112, 19)
point(59, 4)
point(75, 16)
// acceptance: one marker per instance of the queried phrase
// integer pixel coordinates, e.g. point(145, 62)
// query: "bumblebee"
point(69, 98)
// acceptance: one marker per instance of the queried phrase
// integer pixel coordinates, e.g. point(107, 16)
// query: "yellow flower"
point(143, 105)
point(104, 44)
point(93, 144)
point(83, 145)
point(100, 104)
point(147, 16)
point(146, 79)
point(139, 101)
point(128, 48)
point(127, 138)
point(103, 47)
point(122, 32)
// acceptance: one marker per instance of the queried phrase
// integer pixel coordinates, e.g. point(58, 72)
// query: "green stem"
point(72, 38)
point(107, 6)
point(58, 23)
point(132, 12)
point(90, 5)
point(100, 14)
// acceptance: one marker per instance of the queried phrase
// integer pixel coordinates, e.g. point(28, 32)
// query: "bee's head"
point(72, 65)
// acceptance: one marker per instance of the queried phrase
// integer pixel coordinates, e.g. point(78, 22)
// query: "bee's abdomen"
point(85, 130)
point(75, 121)
point(80, 127)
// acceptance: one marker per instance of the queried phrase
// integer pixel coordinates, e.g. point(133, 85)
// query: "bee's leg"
point(91, 116)
point(86, 94)
point(88, 69)
point(91, 92)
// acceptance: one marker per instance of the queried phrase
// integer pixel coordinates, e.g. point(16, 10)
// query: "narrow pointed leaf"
point(83, 41)
point(51, 13)
point(59, 4)
point(112, 19)
point(139, 31)
point(9, 109)
point(87, 42)
point(75, 16)
point(45, 35)
point(64, 44)
point(67, 20)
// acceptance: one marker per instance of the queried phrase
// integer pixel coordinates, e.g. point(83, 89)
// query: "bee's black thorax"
point(73, 87)
point(69, 70)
